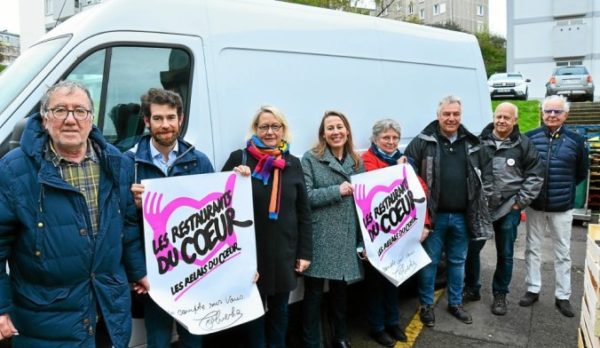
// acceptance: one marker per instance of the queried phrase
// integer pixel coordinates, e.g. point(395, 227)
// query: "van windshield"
point(16, 77)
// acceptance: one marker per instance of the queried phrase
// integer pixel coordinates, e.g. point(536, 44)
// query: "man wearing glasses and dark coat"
point(564, 156)
point(68, 231)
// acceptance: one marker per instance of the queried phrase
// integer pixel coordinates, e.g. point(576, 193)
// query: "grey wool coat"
point(336, 232)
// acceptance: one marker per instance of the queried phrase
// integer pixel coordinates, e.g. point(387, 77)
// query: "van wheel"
point(526, 95)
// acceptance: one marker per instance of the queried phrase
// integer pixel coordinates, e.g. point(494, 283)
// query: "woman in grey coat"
point(336, 235)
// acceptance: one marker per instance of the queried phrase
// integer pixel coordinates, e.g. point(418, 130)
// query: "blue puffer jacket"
point(60, 276)
point(564, 156)
point(189, 161)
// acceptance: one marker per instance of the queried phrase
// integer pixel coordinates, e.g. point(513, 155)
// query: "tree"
point(493, 47)
point(2, 67)
point(449, 25)
point(493, 50)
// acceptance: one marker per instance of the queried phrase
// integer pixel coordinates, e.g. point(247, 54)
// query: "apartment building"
point(57, 11)
point(470, 15)
point(544, 34)
point(9, 47)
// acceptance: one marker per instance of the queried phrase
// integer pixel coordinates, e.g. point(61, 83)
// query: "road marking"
point(415, 326)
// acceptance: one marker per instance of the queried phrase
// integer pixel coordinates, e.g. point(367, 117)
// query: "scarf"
point(389, 159)
point(270, 160)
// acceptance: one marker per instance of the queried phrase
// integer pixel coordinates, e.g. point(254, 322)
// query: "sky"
point(9, 16)
point(498, 17)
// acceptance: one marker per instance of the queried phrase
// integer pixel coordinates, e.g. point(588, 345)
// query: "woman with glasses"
point(382, 305)
point(282, 220)
point(336, 235)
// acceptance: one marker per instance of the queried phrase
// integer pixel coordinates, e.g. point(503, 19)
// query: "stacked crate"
point(589, 328)
point(594, 185)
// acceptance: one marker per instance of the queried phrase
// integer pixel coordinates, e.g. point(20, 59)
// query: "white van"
point(228, 57)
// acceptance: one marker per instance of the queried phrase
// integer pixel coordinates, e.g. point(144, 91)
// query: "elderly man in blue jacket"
point(564, 156)
point(68, 229)
point(160, 154)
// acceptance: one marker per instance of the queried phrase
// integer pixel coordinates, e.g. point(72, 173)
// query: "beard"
point(164, 140)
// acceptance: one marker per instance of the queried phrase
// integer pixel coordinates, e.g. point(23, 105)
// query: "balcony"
point(571, 38)
point(570, 8)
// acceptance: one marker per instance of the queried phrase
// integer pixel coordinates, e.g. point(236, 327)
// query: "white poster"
point(391, 205)
point(200, 249)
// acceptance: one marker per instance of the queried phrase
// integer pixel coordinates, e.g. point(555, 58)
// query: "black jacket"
point(424, 149)
point(279, 243)
point(516, 174)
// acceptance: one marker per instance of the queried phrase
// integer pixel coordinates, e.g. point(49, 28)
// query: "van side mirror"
point(527, 80)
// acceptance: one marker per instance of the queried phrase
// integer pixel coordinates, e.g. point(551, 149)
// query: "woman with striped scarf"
point(283, 231)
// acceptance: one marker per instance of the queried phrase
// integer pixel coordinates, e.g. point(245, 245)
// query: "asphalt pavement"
point(541, 325)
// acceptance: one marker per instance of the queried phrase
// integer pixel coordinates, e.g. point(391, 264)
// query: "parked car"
point(508, 85)
point(571, 81)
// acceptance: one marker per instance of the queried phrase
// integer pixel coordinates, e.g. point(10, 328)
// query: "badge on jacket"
point(510, 161)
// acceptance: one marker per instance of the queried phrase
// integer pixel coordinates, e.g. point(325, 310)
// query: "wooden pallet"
point(590, 304)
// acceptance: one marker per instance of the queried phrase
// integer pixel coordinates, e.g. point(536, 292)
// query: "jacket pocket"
point(34, 296)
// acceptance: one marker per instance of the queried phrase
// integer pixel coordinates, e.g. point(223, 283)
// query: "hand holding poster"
point(200, 249)
point(391, 205)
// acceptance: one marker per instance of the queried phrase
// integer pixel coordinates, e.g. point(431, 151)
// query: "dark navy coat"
point(564, 156)
point(61, 277)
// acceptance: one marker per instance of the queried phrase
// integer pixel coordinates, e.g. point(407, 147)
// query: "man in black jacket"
point(515, 180)
point(446, 155)
point(564, 156)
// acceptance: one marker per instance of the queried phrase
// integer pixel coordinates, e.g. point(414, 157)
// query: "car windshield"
point(571, 70)
point(506, 77)
point(16, 77)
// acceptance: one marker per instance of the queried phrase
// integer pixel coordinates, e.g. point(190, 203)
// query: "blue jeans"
point(505, 232)
point(311, 316)
point(449, 234)
point(271, 328)
point(382, 301)
point(159, 328)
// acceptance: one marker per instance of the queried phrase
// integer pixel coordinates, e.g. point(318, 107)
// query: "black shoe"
point(459, 313)
point(499, 304)
point(470, 295)
point(528, 299)
point(396, 333)
point(564, 306)
point(427, 316)
point(342, 344)
point(383, 338)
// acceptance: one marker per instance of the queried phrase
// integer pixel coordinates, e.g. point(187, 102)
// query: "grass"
point(529, 113)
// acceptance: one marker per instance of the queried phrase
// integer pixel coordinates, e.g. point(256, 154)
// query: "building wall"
point(9, 47)
point(542, 34)
point(471, 15)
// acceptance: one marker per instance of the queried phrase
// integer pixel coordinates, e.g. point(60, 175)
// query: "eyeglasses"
point(265, 128)
point(388, 138)
point(554, 111)
point(61, 113)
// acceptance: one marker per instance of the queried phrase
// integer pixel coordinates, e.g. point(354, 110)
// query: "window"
point(443, 8)
point(29, 64)
point(49, 7)
point(132, 71)
point(480, 26)
point(411, 8)
point(422, 13)
point(569, 62)
point(480, 11)
point(436, 9)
